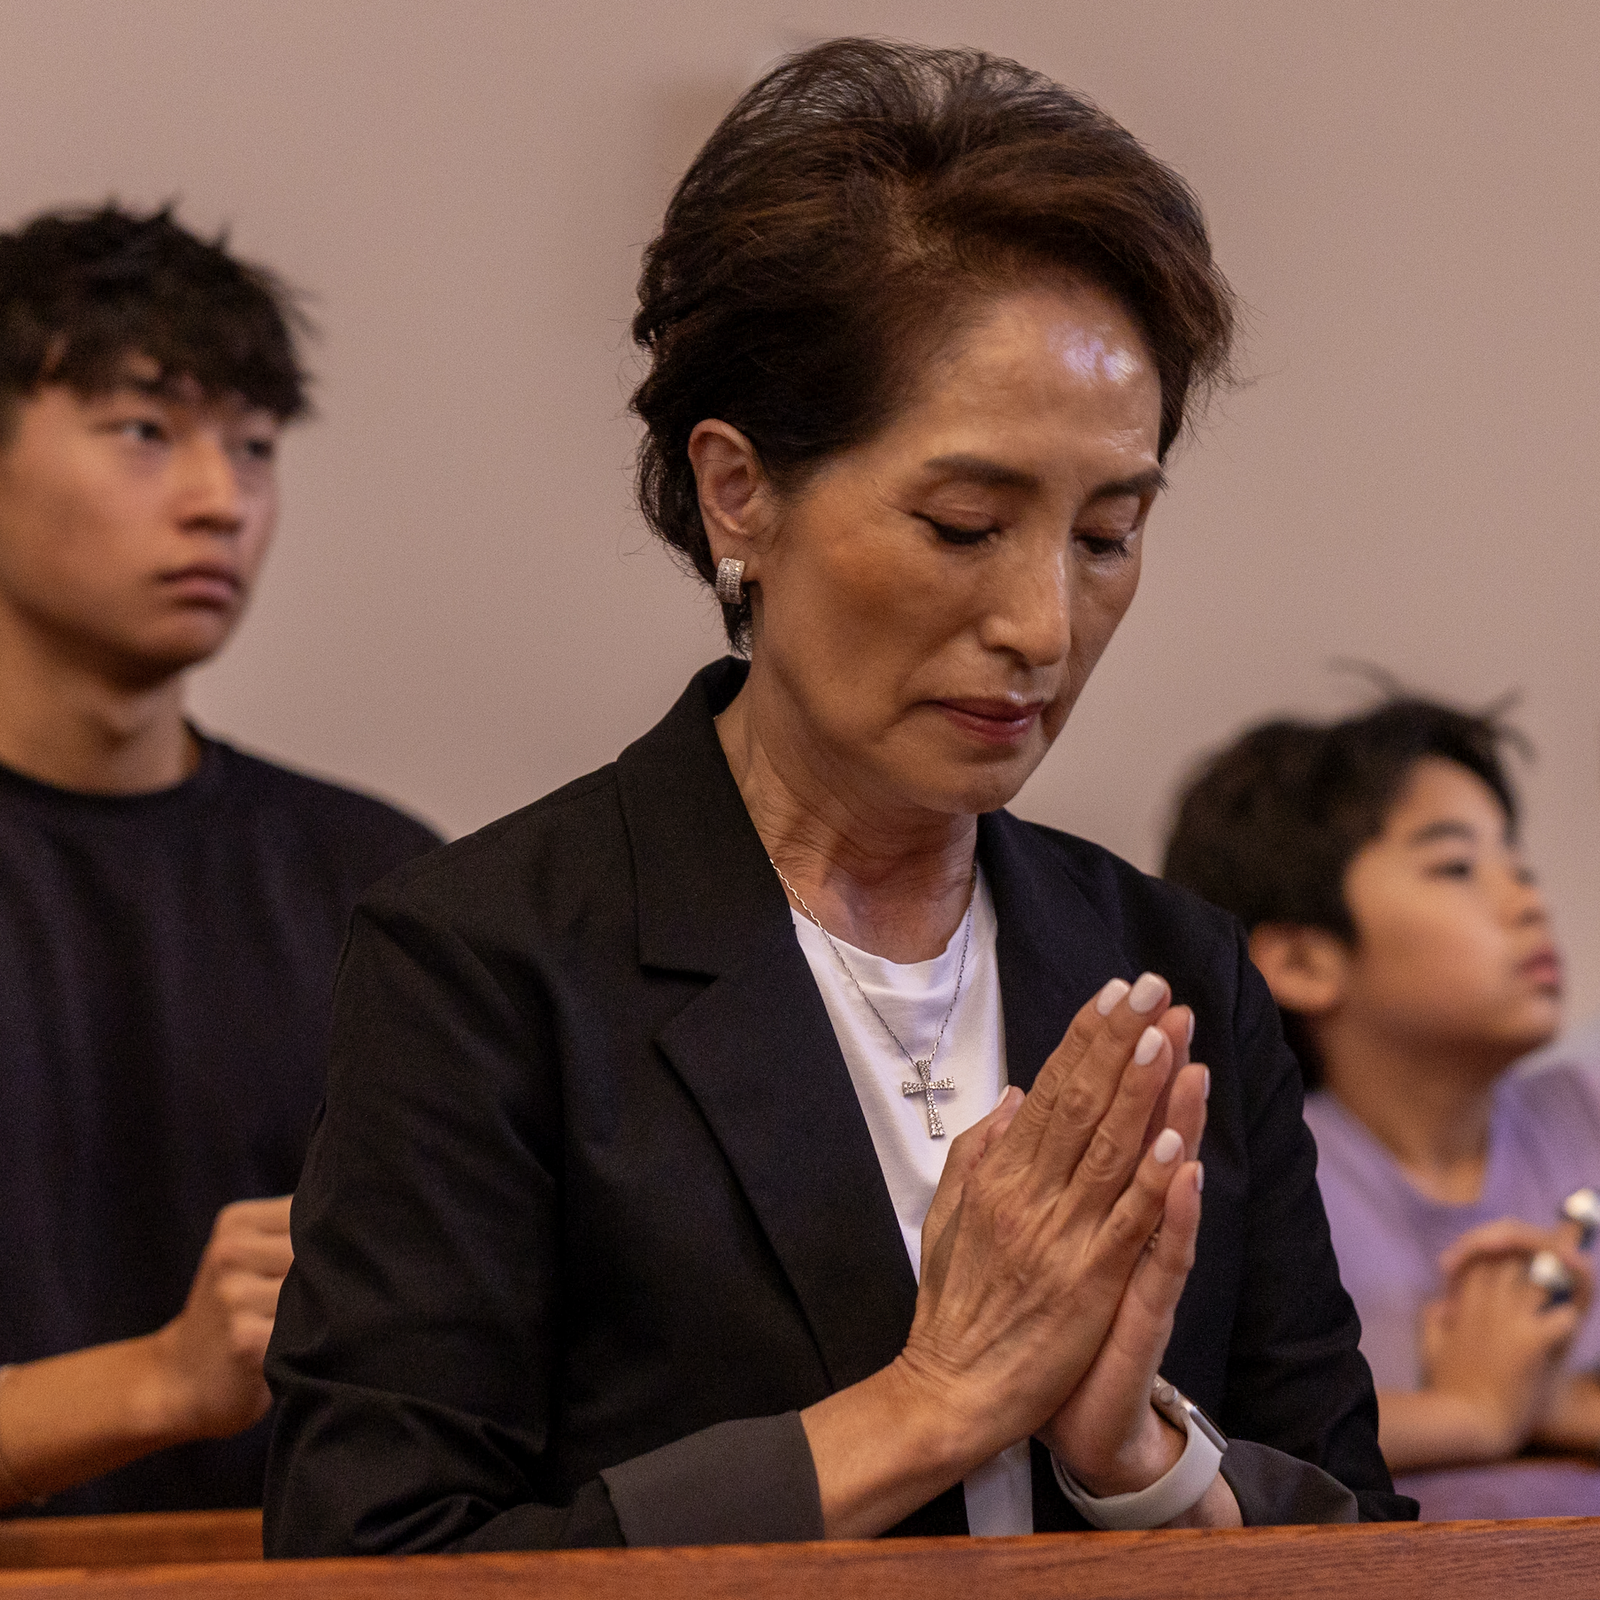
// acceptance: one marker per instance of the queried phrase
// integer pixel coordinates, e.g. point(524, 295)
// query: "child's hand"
point(210, 1354)
point(1511, 1236)
point(1571, 1419)
point(1491, 1342)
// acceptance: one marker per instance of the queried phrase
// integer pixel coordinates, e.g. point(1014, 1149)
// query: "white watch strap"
point(1168, 1497)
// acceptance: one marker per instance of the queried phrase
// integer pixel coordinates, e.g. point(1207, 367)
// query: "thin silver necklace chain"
point(926, 1084)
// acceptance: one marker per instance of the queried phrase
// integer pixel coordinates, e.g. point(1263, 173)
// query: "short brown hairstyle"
point(846, 213)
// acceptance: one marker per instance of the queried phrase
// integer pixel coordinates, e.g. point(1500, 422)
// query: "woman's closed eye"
point(1106, 545)
point(960, 534)
point(1452, 867)
point(1098, 546)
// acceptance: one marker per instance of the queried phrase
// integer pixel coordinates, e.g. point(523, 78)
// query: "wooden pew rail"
point(1466, 1560)
point(130, 1541)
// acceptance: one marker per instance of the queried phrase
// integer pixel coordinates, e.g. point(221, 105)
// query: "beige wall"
point(463, 610)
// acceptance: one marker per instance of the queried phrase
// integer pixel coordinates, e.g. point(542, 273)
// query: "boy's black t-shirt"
point(166, 972)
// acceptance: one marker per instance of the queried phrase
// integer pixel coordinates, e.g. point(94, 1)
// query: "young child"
point(171, 910)
point(1376, 866)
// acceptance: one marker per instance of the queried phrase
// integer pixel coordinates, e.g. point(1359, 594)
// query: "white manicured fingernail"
point(1002, 1100)
point(1191, 1027)
point(1148, 1047)
point(1205, 1093)
point(1106, 1002)
point(1199, 1177)
point(1168, 1143)
point(1146, 993)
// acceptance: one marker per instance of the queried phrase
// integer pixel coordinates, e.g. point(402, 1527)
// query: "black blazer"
point(591, 1211)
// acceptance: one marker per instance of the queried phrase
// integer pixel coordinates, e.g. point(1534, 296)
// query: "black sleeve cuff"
point(590, 1522)
point(1274, 1489)
point(746, 1482)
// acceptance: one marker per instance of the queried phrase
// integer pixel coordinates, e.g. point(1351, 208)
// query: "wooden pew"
point(1465, 1561)
point(130, 1541)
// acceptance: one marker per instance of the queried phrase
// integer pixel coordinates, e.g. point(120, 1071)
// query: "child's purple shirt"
point(1544, 1142)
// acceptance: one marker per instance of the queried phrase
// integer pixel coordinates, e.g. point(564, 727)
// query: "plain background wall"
point(463, 610)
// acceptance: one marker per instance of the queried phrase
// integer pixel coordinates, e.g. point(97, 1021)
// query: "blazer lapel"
point(759, 1055)
point(755, 1047)
point(1054, 949)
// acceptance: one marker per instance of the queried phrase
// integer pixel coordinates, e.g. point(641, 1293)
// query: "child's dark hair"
point(81, 291)
point(1267, 827)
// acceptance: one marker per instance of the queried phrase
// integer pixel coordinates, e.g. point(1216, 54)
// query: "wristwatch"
point(1169, 1496)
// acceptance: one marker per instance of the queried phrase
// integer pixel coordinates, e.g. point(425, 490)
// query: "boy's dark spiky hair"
point(82, 290)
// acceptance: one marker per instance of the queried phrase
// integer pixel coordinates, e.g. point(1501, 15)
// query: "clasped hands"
point(1493, 1341)
point(1058, 1244)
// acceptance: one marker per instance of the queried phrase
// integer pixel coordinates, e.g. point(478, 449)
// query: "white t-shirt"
point(913, 999)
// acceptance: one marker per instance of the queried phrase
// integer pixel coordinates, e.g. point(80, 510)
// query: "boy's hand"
point(1511, 1236)
point(1570, 1417)
point(210, 1354)
point(1571, 1420)
point(1492, 1343)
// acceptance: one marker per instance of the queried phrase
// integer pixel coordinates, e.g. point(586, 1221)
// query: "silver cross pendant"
point(928, 1087)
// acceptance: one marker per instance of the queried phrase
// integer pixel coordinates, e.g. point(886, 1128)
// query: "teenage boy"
point(1376, 866)
point(171, 910)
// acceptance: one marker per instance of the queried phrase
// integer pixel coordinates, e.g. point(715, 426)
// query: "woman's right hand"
point(1042, 1215)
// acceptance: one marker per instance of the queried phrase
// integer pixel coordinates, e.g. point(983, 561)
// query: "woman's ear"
point(1306, 968)
point(732, 488)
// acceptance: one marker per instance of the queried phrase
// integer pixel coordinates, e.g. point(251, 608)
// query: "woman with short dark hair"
point(766, 1136)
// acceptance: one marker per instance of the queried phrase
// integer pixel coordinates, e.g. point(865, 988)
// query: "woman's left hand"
point(1107, 1434)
